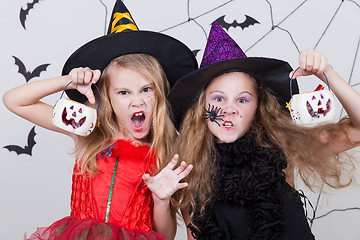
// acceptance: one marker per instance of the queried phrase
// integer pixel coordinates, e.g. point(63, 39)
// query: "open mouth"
point(138, 120)
point(228, 124)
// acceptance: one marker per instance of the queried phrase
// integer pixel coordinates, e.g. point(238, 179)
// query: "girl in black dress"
point(244, 146)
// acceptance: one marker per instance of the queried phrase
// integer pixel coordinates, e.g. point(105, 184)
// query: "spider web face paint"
point(212, 114)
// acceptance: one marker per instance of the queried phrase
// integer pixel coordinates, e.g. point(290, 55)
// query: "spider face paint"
point(232, 101)
point(212, 114)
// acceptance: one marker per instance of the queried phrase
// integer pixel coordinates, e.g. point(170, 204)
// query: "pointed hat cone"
point(220, 47)
point(121, 19)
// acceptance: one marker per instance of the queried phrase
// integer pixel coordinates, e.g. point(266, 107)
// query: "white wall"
point(35, 190)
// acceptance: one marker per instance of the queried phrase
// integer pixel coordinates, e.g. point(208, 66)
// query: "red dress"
point(114, 204)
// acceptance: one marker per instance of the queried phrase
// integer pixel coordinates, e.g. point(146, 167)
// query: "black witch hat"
point(123, 37)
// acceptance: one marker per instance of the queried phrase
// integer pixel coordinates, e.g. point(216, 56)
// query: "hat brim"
point(175, 58)
point(272, 73)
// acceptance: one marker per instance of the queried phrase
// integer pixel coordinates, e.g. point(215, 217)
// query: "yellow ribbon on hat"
point(117, 17)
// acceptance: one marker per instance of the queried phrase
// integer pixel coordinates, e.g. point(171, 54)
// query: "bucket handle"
point(96, 88)
point(291, 79)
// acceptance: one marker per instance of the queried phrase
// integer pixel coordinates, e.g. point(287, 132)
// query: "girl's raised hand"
point(166, 182)
point(311, 62)
point(82, 78)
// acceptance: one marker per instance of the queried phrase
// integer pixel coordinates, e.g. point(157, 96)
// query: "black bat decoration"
point(248, 22)
point(27, 149)
point(25, 12)
point(27, 74)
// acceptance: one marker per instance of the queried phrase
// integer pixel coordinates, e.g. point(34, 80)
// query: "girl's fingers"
point(173, 162)
point(146, 177)
point(181, 168)
point(96, 76)
point(291, 75)
point(299, 72)
point(90, 96)
point(317, 63)
point(296, 73)
point(82, 79)
point(181, 185)
point(309, 61)
point(186, 172)
point(91, 76)
point(323, 65)
point(85, 75)
point(302, 60)
point(88, 75)
point(73, 76)
point(80, 76)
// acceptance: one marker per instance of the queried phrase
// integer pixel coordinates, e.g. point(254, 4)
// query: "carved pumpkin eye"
point(80, 110)
point(313, 98)
point(72, 107)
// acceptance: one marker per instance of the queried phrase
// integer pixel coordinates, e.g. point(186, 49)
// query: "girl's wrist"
point(66, 79)
point(324, 76)
point(159, 201)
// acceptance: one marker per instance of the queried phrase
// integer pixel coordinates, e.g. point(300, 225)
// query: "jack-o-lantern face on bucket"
point(312, 107)
point(318, 106)
point(74, 117)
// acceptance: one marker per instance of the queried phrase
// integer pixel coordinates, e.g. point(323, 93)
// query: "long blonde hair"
point(302, 146)
point(162, 134)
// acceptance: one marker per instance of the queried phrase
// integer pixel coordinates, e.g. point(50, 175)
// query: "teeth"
point(138, 114)
point(228, 124)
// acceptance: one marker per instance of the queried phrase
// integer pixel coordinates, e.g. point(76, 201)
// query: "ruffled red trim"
point(70, 228)
point(81, 197)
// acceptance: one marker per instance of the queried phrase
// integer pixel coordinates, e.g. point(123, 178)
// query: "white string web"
point(276, 23)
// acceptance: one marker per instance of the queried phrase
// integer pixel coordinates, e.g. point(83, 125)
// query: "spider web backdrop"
point(285, 28)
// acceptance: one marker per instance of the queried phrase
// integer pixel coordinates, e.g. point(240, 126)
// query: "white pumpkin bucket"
point(312, 108)
point(73, 116)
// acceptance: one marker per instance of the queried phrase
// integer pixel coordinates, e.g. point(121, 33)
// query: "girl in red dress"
point(122, 182)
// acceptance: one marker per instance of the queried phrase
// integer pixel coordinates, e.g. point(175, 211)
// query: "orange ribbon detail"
point(117, 17)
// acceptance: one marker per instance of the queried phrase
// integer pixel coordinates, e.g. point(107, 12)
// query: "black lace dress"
point(252, 199)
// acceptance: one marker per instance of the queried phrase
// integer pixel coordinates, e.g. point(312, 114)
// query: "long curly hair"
point(305, 148)
point(162, 134)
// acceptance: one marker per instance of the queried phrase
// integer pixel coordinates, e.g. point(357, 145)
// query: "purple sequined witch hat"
point(222, 55)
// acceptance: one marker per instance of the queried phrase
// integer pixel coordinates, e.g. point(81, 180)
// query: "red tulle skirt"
point(70, 228)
